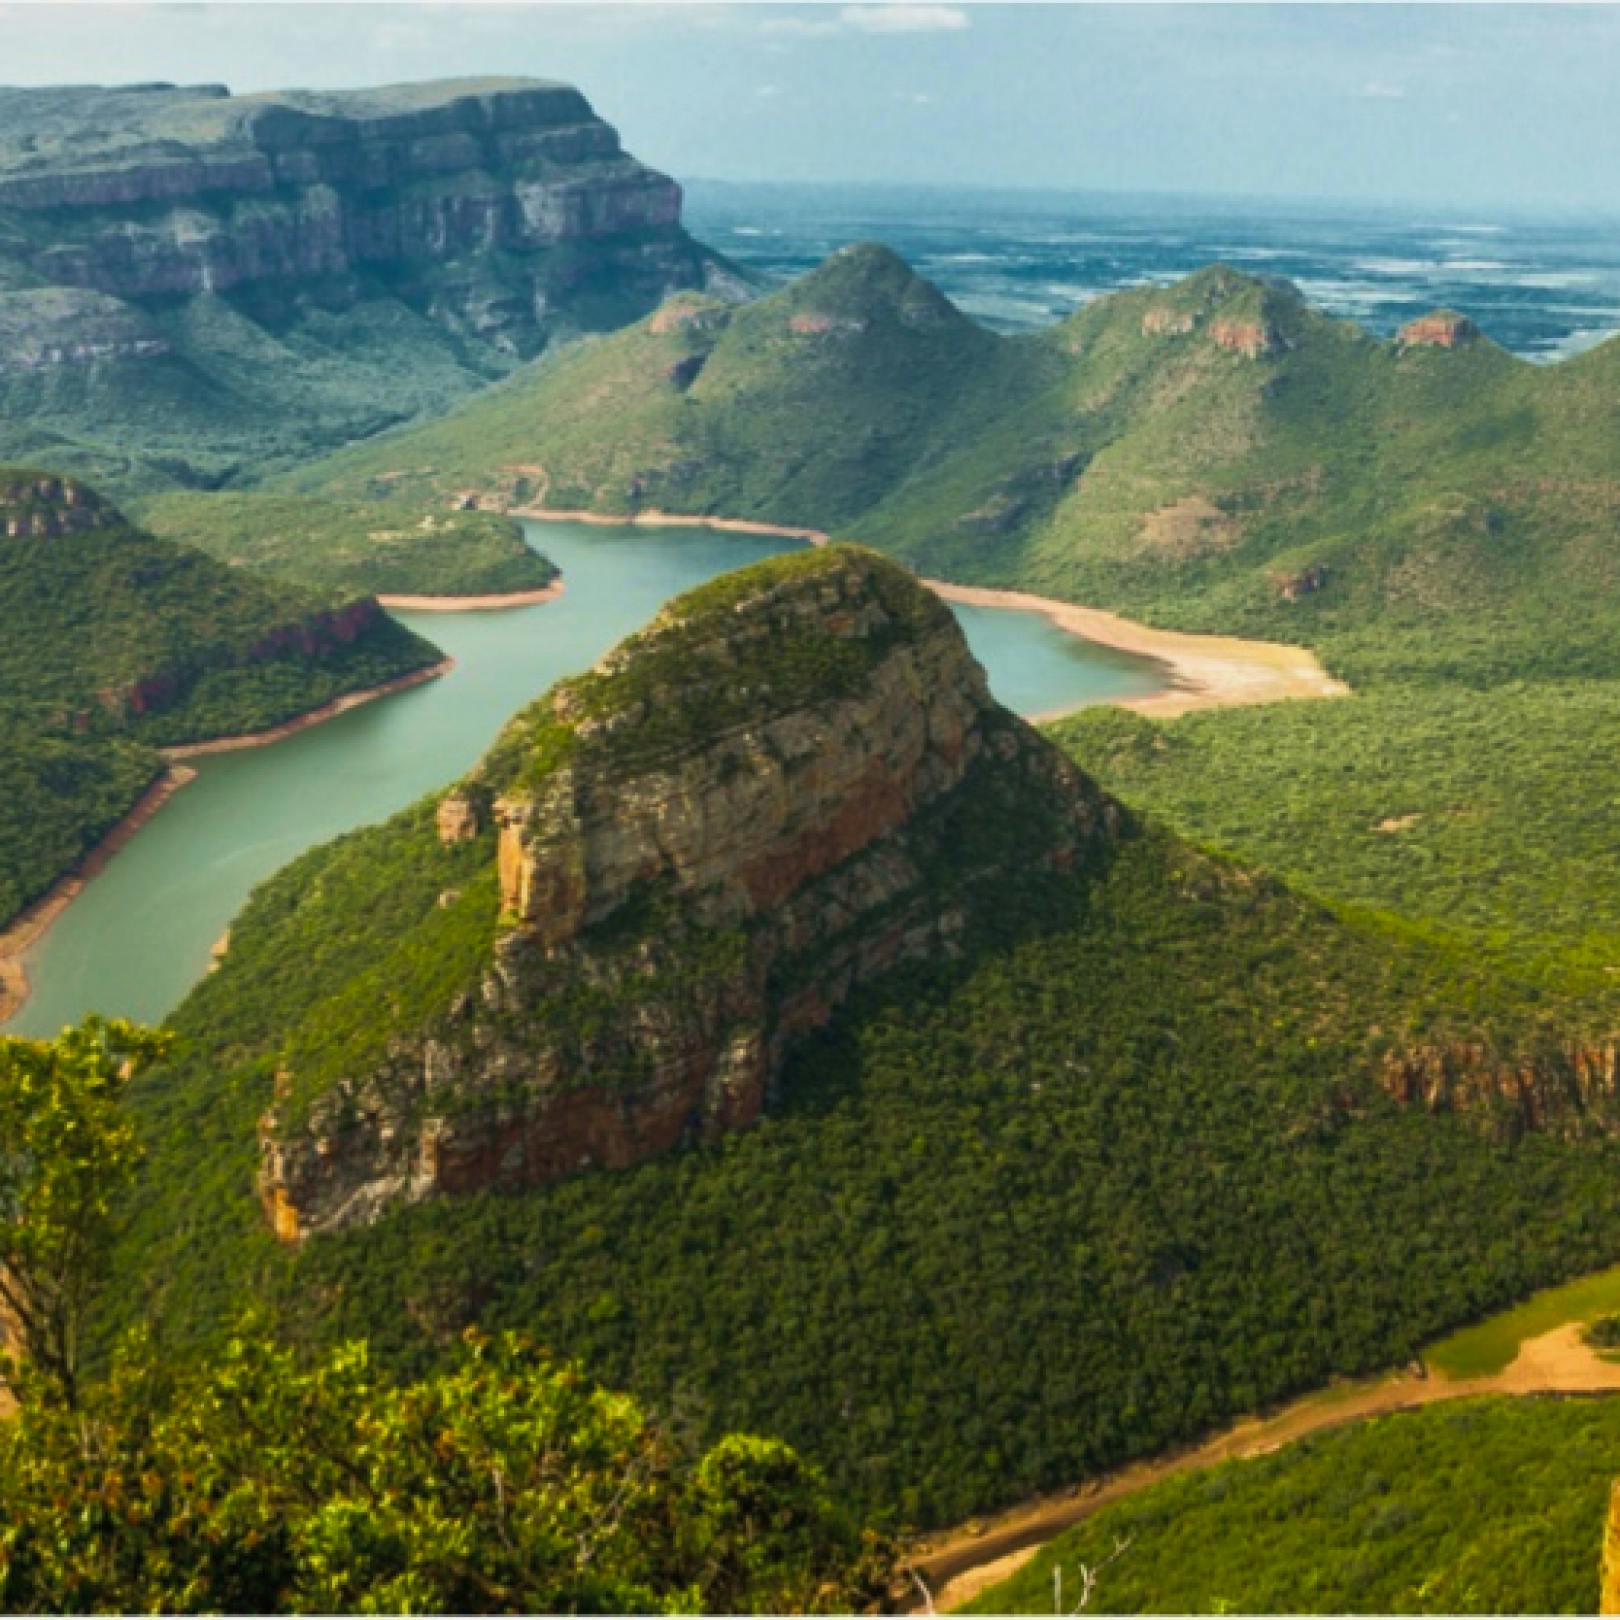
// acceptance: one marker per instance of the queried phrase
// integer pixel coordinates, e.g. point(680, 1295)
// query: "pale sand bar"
point(474, 604)
point(1203, 672)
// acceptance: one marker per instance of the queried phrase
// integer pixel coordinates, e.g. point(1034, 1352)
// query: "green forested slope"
point(1123, 1175)
point(1482, 1507)
point(63, 794)
point(112, 640)
point(363, 548)
point(84, 618)
point(1215, 455)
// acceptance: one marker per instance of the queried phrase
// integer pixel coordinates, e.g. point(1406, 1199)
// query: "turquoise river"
point(140, 934)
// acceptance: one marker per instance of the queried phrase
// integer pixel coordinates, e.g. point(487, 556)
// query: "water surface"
point(139, 936)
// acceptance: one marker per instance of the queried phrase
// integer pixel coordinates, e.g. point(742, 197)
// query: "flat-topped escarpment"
point(163, 191)
point(285, 270)
point(791, 782)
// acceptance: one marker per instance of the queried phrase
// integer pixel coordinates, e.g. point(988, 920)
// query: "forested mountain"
point(1129, 1145)
point(1213, 455)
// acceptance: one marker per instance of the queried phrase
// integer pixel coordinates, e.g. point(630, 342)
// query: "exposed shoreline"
point(31, 925)
point(33, 922)
point(959, 1565)
point(474, 604)
point(654, 519)
point(315, 717)
point(1201, 671)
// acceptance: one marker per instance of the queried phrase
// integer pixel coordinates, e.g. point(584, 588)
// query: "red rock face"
point(41, 506)
point(1573, 1091)
point(721, 901)
point(1163, 322)
point(321, 633)
point(1440, 331)
point(1251, 339)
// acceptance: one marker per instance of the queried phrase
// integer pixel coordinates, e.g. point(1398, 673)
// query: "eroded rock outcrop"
point(1445, 329)
point(42, 506)
point(792, 782)
point(1570, 1090)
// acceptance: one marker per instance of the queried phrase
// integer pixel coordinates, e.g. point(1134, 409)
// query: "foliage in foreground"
point(67, 1160)
point(502, 1484)
point(1479, 1507)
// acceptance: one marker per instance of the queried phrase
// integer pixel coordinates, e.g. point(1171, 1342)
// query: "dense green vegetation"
point(501, 1485)
point(959, 1262)
point(1479, 1507)
point(63, 795)
point(371, 548)
point(112, 641)
point(115, 629)
point(1409, 511)
point(261, 1481)
point(1487, 824)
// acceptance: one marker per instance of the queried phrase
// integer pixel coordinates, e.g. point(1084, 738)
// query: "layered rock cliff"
point(791, 783)
point(463, 225)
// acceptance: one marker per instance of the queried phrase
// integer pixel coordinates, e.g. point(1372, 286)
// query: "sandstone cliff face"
point(490, 205)
point(1569, 1092)
point(746, 813)
point(1442, 330)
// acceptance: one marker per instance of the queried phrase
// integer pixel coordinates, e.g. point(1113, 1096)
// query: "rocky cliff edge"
point(793, 781)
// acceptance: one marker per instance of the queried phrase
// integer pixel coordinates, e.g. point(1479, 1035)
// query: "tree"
point(67, 1156)
point(503, 1484)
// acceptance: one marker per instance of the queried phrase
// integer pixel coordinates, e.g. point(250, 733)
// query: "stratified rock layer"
point(789, 784)
point(196, 286)
point(489, 204)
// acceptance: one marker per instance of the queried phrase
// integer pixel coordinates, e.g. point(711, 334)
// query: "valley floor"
point(963, 1565)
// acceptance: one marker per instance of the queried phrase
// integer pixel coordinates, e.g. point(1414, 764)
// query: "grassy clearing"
point(1489, 1346)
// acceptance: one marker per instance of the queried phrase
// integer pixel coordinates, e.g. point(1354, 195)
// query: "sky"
point(1509, 105)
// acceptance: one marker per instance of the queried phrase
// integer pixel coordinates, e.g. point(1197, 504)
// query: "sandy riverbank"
point(958, 1567)
point(1201, 672)
point(31, 925)
point(315, 717)
point(655, 519)
point(1205, 672)
point(474, 604)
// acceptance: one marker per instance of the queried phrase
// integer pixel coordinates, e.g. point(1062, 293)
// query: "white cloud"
point(910, 18)
point(766, 91)
point(904, 19)
point(917, 98)
point(1380, 90)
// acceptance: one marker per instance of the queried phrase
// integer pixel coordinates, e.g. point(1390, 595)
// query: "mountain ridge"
point(1215, 455)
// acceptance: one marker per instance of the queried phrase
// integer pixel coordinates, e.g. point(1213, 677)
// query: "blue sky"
point(1449, 104)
